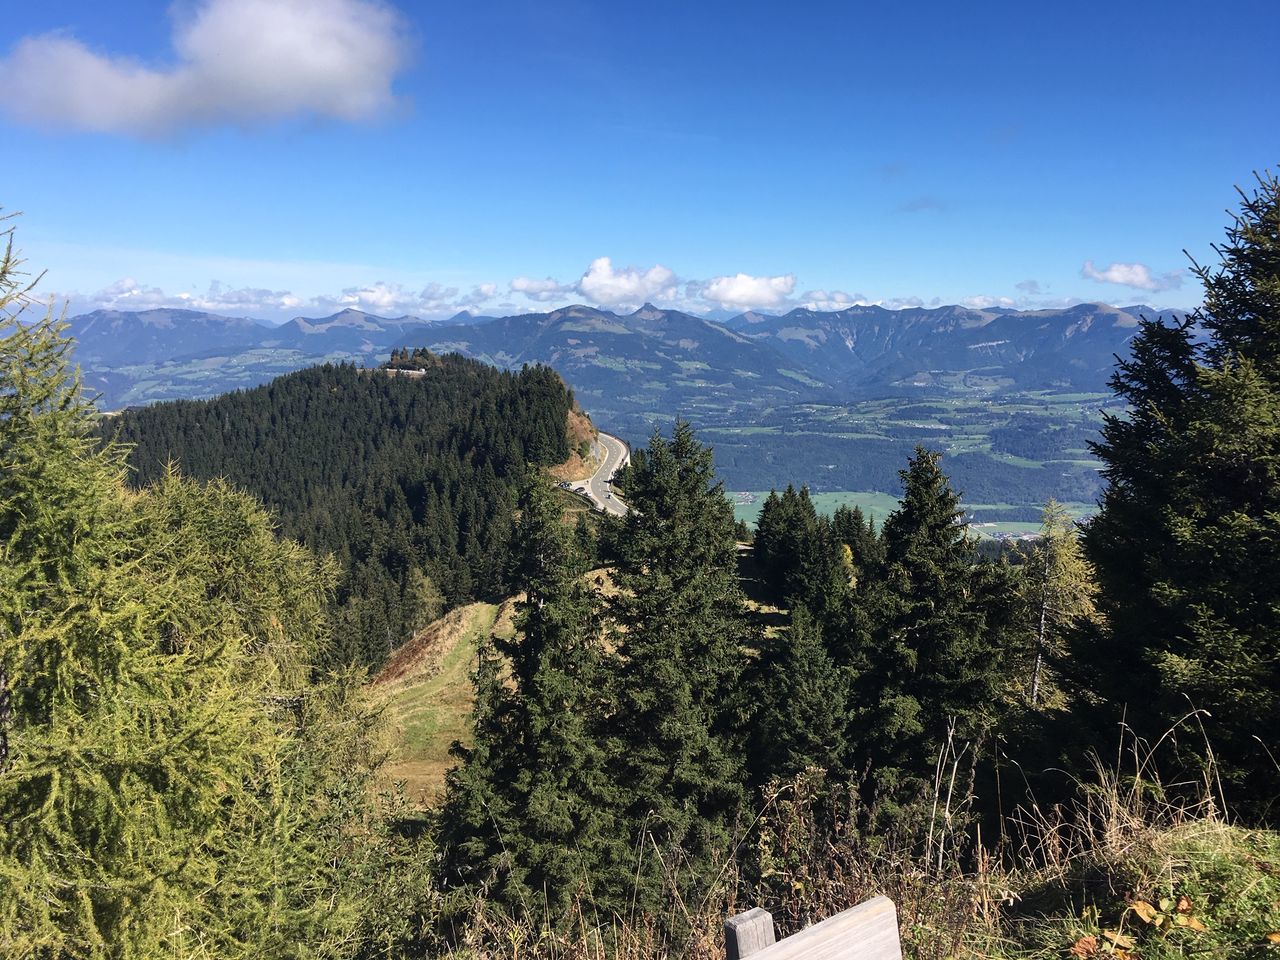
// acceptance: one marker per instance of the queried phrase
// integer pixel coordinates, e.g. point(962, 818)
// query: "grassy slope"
point(427, 682)
point(427, 686)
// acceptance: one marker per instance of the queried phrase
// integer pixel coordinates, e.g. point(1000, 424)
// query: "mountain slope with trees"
point(407, 481)
point(832, 400)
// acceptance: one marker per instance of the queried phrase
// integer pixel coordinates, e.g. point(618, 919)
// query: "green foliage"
point(175, 779)
point(799, 552)
point(1184, 543)
point(1057, 590)
point(851, 528)
point(526, 814)
point(801, 723)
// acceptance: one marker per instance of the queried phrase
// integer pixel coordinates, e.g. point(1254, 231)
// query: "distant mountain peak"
point(649, 312)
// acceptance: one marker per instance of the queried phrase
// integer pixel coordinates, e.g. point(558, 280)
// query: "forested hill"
point(407, 480)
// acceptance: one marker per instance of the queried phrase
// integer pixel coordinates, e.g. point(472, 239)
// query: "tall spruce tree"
point(528, 811)
point(927, 643)
point(679, 718)
point(1185, 542)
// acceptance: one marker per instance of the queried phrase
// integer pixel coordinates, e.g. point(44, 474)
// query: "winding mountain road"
point(597, 488)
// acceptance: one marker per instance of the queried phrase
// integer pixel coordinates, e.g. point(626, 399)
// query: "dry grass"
point(426, 688)
point(1075, 881)
point(579, 428)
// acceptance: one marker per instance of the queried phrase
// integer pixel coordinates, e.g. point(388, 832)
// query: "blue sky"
point(281, 157)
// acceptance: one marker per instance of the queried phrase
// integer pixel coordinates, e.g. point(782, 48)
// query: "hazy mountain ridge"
point(650, 353)
point(137, 357)
point(834, 399)
point(654, 359)
point(872, 346)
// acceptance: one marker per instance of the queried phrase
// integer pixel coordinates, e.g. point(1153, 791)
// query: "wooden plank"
point(748, 933)
point(868, 931)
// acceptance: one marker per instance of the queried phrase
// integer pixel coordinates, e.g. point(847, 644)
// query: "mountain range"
point(667, 360)
point(655, 357)
point(833, 399)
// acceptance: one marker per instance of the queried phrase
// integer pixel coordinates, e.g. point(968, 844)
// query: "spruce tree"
point(926, 644)
point(1184, 541)
point(802, 719)
point(677, 727)
point(797, 552)
point(528, 810)
point(854, 530)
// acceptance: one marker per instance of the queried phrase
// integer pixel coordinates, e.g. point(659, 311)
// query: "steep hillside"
point(426, 685)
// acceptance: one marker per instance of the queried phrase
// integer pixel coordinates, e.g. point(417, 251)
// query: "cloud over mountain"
point(235, 61)
point(746, 292)
point(606, 286)
point(602, 284)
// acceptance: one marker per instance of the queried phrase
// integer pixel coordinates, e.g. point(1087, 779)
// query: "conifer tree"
point(675, 735)
point(527, 812)
point(852, 528)
point(926, 644)
point(1183, 544)
point(174, 779)
point(798, 553)
point(802, 719)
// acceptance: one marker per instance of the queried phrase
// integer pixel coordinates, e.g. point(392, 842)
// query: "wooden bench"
point(868, 931)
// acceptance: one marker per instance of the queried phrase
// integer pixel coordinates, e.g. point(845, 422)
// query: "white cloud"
point(1136, 275)
point(746, 292)
point(542, 291)
point(602, 285)
point(607, 287)
point(384, 299)
point(1031, 288)
point(823, 301)
point(393, 299)
point(986, 303)
point(128, 294)
point(236, 61)
point(902, 303)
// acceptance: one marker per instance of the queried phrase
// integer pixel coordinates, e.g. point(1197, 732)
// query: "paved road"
point(597, 488)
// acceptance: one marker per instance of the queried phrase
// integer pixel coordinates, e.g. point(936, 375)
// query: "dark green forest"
point(408, 481)
point(189, 768)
